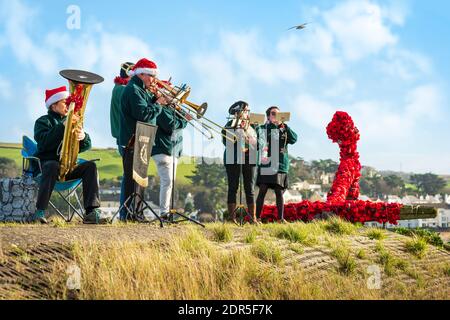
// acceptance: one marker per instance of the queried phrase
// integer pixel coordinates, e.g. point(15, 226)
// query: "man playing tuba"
point(49, 133)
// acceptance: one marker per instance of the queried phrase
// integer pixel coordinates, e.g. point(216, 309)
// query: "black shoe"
point(94, 217)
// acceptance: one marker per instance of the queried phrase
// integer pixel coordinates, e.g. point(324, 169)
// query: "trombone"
point(178, 100)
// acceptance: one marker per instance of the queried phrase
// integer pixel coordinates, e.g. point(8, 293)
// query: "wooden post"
point(417, 212)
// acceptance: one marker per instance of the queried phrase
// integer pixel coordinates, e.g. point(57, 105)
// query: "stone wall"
point(17, 199)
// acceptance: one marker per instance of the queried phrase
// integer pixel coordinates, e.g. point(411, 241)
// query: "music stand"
point(135, 205)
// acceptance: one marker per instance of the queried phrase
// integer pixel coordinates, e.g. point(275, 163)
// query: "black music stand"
point(135, 205)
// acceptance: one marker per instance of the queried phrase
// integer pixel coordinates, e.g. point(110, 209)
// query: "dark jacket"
point(170, 126)
point(285, 136)
point(49, 133)
point(115, 110)
point(137, 104)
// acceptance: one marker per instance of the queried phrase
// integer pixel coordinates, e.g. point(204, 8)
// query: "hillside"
point(320, 260)
point(110, 166)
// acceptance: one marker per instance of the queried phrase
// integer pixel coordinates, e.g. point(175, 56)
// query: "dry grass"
point(227, 262)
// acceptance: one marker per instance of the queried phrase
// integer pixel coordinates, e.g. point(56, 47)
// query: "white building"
point(292, 196)
point(304, 185)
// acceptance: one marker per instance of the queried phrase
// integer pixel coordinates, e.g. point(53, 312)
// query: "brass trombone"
point(178, 99)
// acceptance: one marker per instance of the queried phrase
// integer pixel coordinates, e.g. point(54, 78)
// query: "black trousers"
point(86, 171)
point(234, 174)
point(279, 191)
point(130, 186)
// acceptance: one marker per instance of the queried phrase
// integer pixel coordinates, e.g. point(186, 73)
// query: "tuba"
point(80, 85)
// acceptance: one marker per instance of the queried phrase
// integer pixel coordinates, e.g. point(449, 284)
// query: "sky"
point(386, 63)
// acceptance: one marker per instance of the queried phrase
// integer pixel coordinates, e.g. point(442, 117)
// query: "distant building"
point(292, 196)
point(304, 185)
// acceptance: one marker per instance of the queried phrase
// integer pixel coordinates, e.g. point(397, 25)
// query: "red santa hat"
point(54, 95)
point(144, 66)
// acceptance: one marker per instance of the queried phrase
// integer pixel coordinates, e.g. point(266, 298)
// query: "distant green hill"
point(110, 165)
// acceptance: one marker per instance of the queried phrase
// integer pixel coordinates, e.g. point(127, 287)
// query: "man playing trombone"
point(167, 149)
point(137, 104)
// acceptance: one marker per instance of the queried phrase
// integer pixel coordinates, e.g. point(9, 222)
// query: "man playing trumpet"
point(49, 133)
point(138, 103)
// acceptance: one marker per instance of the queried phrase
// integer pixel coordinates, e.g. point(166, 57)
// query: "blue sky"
point(384, 62)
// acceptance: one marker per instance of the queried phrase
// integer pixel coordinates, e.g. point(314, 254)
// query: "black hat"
point(268, 111)
point(125, 69)
point(237, 107)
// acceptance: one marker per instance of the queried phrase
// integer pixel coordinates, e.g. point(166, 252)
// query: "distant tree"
point(209, 187)
point(320, 167)
point(428, 183)
point(8, 168)
point(395, 184)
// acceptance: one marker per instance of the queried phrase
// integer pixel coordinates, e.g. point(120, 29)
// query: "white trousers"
point(165, 166)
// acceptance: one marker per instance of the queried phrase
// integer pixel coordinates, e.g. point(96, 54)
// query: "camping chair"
point(31, 167)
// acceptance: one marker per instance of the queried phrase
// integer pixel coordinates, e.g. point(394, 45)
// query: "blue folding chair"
point(31, 167)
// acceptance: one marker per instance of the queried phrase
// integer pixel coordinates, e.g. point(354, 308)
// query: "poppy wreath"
point(342, 199)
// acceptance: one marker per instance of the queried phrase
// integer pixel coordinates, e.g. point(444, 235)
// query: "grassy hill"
point(110, 165)
point(320, 260)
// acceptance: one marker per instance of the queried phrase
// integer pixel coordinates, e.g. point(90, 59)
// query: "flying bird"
point(299, 27)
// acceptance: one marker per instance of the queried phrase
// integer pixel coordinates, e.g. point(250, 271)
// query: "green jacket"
point(226, 143)
point(287, 137)
point(115, 110)
point(137, 104)
point(169, 136)
point(49, 133)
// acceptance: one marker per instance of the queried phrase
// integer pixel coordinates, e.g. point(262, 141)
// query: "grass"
point(340, 227)
point(417, 247)
point(390, 263)
point(110, 165)
point(299, 232)
point(428, 236)
point(222, 232)
point(376, 234)
point(191, 264)
point(361, 254)
point(250, 236)
point(343, 254)
point(267, 251)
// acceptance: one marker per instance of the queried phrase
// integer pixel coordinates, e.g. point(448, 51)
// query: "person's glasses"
point(274, 113)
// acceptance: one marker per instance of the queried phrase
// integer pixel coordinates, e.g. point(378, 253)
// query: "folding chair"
point(31, 167)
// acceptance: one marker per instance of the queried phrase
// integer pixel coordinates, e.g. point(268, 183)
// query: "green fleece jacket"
point(137, 104)
point(115, 110)
point(169, 136)
point(285, 138)
point(49, 133)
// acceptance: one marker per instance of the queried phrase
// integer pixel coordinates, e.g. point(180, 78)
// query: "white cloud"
point(19, 40)
point(5, 88)
point(359, 28)
point(380, 121)
point(405, 64)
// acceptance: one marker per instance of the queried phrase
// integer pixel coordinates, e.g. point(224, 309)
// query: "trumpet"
point(178, 99)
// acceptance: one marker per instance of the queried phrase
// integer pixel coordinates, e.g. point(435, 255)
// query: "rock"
point(17, 190)
point(17, 213)
point(5, 197)
point(7, 209)
point(18, 203)
point(5, 184)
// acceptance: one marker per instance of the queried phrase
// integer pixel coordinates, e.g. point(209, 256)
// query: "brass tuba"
point(80, 85)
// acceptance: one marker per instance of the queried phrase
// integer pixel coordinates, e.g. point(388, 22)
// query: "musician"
point(273, 174)
point(236, 164)
point(167, 150)
point(137, 104)
point(49, 133)
point(119, 85)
